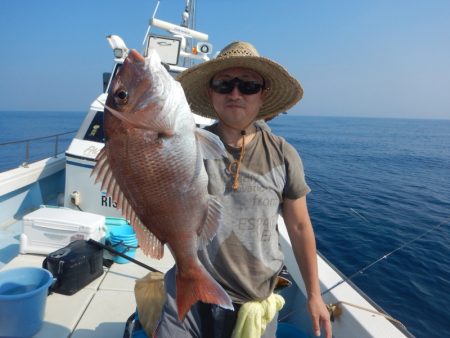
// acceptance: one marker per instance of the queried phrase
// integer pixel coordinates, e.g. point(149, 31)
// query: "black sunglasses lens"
point(245, 87)
point(223, 87)
point(249, 87)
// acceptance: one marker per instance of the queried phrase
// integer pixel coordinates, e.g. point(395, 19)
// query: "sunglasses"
point(227, 86)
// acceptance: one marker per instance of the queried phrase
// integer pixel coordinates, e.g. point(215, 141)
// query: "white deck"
point(102, 308)
point(99, 310)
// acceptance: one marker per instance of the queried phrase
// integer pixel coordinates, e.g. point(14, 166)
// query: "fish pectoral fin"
point(211, 147)
point(213, 218)
point(163, 124)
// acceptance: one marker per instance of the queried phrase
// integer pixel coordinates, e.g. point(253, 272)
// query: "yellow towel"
point(253, 317)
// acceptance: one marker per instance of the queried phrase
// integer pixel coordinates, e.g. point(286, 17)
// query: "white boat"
point(102, 308)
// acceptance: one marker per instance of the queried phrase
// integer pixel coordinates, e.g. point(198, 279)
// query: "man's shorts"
point(202, 321)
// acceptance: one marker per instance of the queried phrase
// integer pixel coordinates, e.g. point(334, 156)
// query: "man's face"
point(236, 108)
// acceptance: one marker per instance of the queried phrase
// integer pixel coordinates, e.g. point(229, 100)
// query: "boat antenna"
point(404, 245)
point(188, 21)
point(185, 16)
point(150, 26)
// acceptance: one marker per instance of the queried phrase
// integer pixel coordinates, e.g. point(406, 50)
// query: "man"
point(262, 176)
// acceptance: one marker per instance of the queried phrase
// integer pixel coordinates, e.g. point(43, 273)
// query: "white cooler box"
point(49, 229)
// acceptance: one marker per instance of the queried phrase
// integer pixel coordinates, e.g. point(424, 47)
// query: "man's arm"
point(301, 234)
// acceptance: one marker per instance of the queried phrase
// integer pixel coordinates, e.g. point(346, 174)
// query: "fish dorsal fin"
point(148, 242)
point(211, 147)
point(212, 222)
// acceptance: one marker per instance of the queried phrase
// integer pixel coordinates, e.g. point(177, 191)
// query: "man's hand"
point(319, 315)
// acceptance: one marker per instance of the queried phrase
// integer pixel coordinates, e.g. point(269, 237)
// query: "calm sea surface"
point(378, 186)
point(18, 126)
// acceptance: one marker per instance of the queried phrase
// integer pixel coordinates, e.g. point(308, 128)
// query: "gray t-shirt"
point(245, 255)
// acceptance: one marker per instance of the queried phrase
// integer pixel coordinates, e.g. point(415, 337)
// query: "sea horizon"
point(394, 117)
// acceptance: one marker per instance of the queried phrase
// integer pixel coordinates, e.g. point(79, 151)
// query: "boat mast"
point(192, 45)
point(188, 21)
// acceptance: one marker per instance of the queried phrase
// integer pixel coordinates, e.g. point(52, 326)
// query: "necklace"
point(235, 166)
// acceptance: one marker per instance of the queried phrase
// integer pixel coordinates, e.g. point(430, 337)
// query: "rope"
point(235, 166)
point(336, 311)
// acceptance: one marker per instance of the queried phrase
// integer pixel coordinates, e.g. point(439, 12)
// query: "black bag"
point(74, 266)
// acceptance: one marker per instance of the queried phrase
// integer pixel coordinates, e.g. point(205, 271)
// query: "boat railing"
point(55, 141)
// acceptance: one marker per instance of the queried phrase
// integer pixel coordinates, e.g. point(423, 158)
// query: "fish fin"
point(99, 168)
point(213, 218)
point(148, 242)
point(102, 172)
point(199, 285)
point(211, 147)
point(161, 126)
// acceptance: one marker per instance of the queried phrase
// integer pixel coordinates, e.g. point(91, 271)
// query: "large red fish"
point(152, 166)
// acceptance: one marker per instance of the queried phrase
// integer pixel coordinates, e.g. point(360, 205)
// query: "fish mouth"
point(135, 56)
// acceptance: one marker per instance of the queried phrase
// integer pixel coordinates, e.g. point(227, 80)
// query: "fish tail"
point(199, 286)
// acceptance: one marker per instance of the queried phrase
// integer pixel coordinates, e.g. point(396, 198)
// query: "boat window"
point(95, 131)
point(168, 48)
point(107, 77)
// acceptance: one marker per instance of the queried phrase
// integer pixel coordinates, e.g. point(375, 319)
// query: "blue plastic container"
point(122, 232)
point(286, 330)
point(113, 223)
point(23, 295)
point(124, 240)
point(128, 249)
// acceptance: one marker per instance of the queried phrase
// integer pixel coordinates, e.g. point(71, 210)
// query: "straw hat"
point(283, 90)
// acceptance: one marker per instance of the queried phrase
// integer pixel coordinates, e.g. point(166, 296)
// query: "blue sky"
point(383, 58)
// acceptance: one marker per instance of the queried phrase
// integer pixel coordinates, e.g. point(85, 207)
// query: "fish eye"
point(121, 96)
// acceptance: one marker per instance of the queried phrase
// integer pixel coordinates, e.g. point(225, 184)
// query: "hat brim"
point(283, 91)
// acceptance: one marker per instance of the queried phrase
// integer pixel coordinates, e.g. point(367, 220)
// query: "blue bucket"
point(128, 249)
point(122, 232)
point(23, 295)
point(123, 239)
point(286, 330)
point(115, 221)
point(115, 224)
point(125, 245)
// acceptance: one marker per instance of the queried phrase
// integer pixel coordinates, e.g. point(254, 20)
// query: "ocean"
point(380, 187)
point(18, 126)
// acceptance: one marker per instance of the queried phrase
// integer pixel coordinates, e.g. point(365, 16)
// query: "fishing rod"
point(359, 215)
point(350, 208)
point(332, 307)
point(368, 266)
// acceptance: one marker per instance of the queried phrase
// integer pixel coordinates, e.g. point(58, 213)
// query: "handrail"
point(28, 141)
point(38, 138)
